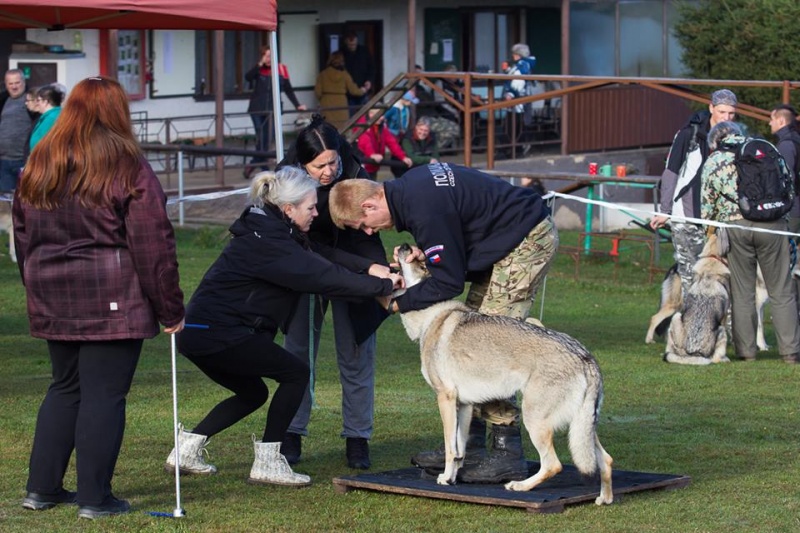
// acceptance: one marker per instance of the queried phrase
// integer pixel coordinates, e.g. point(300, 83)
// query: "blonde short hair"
point(346, 197)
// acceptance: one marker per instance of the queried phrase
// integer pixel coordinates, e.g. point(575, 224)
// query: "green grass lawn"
point(733, 428)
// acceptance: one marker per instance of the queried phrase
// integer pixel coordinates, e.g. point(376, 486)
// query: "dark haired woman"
point(327, 157)
point(49, 100)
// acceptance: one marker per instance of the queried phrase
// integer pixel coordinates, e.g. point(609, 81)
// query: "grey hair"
point(424, 121)
point(722, 130)
point(521, 49)
point(289, 185)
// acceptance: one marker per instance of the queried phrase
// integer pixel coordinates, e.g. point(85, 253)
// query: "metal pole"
point(276, 97)
point(219, 101)
point(180, 188)
point(178, 512)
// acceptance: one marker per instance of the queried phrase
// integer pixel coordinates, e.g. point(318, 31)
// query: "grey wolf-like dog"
point(697, 333)
point(470, 358)
point(672, 302)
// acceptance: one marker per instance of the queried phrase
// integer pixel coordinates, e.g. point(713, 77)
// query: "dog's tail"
point(583, 443)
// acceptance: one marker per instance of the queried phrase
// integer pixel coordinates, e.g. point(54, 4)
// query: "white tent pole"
point(276, 96)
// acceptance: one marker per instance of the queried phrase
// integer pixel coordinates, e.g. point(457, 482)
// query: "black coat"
point(255, 284)
point(261, 97)
point(365, 316)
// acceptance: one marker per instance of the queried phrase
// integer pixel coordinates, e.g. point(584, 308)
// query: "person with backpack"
point(735, 163)
point(680, 182)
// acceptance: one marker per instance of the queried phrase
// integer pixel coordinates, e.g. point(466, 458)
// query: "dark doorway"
point(370, 34)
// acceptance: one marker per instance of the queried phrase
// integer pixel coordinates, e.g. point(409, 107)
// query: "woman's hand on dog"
point(382, 271)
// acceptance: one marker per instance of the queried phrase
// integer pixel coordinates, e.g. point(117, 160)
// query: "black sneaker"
point(112, 506)
point(358, 453)
point(41, 502)
point(292, 447)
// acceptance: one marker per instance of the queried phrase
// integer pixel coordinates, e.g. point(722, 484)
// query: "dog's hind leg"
point(655, 320)
point(604, 463)
point(720, 347)
point(448, 410)
point(541, 433)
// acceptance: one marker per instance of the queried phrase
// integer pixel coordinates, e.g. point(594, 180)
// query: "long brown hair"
point(90, 147)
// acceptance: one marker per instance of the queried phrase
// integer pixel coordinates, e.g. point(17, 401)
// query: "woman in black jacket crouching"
point(249, 293)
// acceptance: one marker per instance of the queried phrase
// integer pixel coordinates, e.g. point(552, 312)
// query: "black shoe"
point(358, 453)
point(112, 506)
point(41, 502)
point(292, 447)
point(505, 461)
point(476, 449)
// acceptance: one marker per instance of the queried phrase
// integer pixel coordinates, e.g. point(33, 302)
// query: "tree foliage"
point(742, 40)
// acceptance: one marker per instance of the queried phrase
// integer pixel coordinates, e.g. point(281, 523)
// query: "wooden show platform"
point(567, 488)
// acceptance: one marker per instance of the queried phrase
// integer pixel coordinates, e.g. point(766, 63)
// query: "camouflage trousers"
point(509, 290)
point(688, 241)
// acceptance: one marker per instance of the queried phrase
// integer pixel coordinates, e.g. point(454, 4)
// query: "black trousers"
point(240, 369)
point(84, 410)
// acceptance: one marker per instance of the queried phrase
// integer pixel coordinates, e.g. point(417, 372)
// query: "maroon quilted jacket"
point(100, 274)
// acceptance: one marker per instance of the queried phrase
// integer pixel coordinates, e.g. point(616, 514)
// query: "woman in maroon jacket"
point(97, 256)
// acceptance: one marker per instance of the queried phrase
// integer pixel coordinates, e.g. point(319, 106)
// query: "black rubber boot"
point(476, 448)
point(505, 461)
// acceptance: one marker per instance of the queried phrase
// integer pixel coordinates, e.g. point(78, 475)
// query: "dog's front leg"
point(447, 401)
point(462, 434)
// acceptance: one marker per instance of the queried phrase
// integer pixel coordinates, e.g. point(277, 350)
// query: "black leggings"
point(240, 369)
point(84, 409)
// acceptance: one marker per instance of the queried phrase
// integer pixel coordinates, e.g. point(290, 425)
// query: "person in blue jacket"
point(250, 293)
point(468, 226)
point(517, 88)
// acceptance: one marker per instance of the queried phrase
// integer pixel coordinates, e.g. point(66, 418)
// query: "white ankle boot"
point(191, 455)
point(270, 467)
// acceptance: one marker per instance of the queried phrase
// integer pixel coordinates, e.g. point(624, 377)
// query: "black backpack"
point(764, 182)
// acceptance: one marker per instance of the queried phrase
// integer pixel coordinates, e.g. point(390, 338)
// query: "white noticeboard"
point(173, 62)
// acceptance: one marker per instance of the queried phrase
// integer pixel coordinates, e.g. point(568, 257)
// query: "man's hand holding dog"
point(415, 255)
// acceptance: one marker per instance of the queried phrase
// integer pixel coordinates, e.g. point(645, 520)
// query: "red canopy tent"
point(153, 15)
point(139, 14)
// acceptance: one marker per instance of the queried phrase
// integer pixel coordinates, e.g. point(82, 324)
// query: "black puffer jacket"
point(256, 282)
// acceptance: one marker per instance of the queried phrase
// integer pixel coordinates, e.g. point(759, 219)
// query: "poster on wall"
point(129, 65)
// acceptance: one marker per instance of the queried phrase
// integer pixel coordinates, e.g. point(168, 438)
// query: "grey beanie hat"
point(521, 49)
point(724, 97)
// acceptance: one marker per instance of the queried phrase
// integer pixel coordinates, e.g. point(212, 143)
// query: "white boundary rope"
point(549, 195)
point(652, 213)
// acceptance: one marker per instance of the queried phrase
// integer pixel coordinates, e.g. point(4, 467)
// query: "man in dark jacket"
point(358, 62)
point(680, 182)
point(783, 123)
point(470, 226)
point(16, 122)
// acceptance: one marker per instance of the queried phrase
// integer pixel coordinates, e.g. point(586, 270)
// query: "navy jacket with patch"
point(463, 219)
